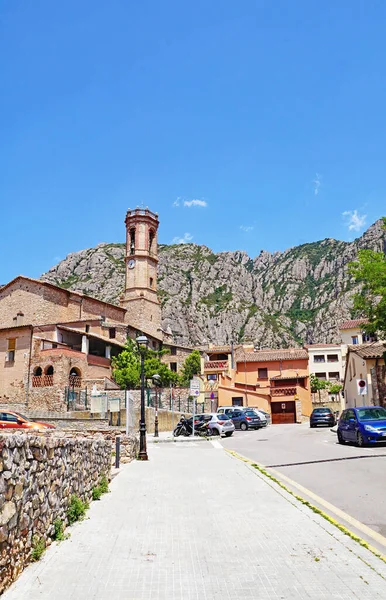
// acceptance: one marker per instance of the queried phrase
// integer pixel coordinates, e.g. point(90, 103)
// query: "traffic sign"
point(195, 387)
point(362, 387)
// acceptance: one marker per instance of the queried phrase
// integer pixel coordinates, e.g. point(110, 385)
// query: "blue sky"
point(247, 125)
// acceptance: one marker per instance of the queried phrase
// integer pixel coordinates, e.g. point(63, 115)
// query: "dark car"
point(322, 416)
point(362, 425)
point(245, 419)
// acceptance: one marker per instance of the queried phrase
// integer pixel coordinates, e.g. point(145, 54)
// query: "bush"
point(104, 484)
point(38, 548)
point(76, 509)
point(96, 493)
point(58, 534)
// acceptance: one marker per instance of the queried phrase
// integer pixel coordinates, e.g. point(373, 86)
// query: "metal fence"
point(76, 399)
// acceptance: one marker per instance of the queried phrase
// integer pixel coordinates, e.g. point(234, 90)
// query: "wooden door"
point(283, 412)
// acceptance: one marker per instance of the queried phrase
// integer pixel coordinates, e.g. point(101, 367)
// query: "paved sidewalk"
point(195, 523)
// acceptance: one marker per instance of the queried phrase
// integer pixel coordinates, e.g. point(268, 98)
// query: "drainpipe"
point(29, 368)
point(232, 355)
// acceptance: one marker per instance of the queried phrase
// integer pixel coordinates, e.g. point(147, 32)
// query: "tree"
point(191, 367)
point(369, 270)
point(127, 367)
point(317, 384)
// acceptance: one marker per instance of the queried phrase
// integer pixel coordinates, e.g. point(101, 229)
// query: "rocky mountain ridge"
point(275, 300)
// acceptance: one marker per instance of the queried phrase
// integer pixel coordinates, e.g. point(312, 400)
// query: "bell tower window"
point(151, 240)
point(132, 240)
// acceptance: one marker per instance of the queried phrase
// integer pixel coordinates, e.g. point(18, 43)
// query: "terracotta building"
point(273, 380)
point(54, 340)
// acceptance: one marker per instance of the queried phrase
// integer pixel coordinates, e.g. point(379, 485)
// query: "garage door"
point(283, 412)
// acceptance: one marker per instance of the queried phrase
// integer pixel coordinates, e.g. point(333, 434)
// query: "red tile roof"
point(271, 355)
point(322, 345)
point(369, 350)
point(353, 323)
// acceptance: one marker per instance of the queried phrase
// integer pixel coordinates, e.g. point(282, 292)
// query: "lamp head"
point(142, 343)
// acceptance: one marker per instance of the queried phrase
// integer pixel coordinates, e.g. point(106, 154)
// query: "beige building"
point(54, 341)
point(325, 361)
point(363, 362)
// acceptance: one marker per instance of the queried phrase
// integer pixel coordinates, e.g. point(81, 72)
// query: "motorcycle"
point(185, 427)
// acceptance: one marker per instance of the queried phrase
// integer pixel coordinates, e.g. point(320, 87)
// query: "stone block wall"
point(38, 475)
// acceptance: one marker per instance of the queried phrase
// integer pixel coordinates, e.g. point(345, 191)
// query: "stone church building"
point(53, 339)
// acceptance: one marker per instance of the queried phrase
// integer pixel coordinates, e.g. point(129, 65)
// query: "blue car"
point(362, 425)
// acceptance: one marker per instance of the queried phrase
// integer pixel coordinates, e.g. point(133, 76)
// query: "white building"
point(325, 361)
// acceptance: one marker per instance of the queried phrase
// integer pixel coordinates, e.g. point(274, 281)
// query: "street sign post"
point(194, 390)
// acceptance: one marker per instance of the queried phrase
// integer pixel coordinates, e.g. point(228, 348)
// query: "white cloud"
point(190, 203)
point(177, 201)
point(317, 183)
point(183, 240)
point(353, 220)
point(246, 228)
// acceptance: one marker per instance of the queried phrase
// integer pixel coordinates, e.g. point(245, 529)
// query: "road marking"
point(380, 539)
point(333, 509)
point(217, 445)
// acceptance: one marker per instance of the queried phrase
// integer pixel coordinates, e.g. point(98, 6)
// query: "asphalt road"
point(352, 479)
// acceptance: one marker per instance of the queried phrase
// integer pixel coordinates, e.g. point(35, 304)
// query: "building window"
point(262, 373)
point(173, 351)
point(332, 358)
point(237, 401)
point(75, 378)
point(112, 332)
point(151, 239)
point(334, 375)
point(37, 372)
point(11, 349)
point(321, 375)
point(87, 328)
point(48, 377)
point(354, 339)
point(132, 240)
point(319, 358)
point(173, 367)
point(212, 377)
point(151, 282)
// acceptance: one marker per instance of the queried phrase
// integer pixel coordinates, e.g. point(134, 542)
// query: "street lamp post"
point(157, 382)
point(142, 343)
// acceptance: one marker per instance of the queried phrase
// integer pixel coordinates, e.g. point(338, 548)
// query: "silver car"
point(220, 424)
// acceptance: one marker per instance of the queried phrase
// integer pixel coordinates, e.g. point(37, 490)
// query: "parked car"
point(245, 420)
point(262, 413)
point(258, 413)
point(220, 423)
point(362, 425)
point(230, 410)
point(322, 416)
point(14, 420)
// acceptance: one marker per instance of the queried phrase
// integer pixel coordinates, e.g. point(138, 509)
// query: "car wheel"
point(312, 426)
point(229, 433)
point(243, 426)
point(215, 431)
point(340, 438)
point(360, 440)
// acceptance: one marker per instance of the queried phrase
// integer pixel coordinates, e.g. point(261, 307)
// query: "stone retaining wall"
point(38, 475)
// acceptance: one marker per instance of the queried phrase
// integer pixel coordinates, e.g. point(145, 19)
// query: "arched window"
point(151, 239)
point(37, 379)
point(132, 240)
point(48, 378)
point(75, 378)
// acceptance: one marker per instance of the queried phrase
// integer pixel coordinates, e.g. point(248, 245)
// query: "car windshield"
point(321, 410)
point(250, 413)
point(22, 416)
point(371, 414)
point(222, 417)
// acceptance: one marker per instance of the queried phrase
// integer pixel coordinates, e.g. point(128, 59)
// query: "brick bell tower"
point(141, 260)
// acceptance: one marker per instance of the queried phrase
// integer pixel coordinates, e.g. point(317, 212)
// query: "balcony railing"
point(216, 365)
point(42, 380)
point(287, 391)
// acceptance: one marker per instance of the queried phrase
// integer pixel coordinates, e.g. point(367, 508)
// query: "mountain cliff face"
point(281, 299)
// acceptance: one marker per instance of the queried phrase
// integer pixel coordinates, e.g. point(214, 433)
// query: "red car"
point(14, 420)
